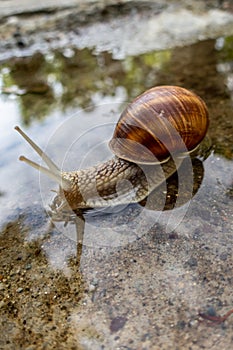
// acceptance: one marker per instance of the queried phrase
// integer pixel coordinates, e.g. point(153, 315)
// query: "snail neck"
point(114, 182)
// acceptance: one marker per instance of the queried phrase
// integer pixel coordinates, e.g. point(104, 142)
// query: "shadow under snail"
point(152, 137)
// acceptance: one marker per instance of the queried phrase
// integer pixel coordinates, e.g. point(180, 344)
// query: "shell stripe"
point(164, 120)
point(144, 126)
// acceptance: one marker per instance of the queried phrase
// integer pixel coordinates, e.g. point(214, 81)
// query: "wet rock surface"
point(136, 283)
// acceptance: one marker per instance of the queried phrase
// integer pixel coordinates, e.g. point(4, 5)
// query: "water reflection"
point(75, 78)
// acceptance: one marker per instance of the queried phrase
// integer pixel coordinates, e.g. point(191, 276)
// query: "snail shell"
point(165, 120)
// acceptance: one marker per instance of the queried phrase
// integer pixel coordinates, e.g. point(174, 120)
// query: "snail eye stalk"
point(52, 171)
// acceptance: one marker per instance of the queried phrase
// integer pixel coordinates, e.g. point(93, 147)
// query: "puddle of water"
point(70, 100)
point(43, 93)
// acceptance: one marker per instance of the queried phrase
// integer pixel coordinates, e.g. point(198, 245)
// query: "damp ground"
point(149, 276)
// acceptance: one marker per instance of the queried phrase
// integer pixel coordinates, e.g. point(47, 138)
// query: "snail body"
point(152, 136)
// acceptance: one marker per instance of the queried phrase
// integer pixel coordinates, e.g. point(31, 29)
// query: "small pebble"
point(211, 311)
point(192, 262)
point(117, 323)
point(2, 304)
point(28, 267)
point(92, 288)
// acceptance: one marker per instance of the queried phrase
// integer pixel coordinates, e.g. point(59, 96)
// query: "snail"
point(152, 136)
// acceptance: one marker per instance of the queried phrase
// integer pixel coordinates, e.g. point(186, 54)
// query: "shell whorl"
point(163, 120)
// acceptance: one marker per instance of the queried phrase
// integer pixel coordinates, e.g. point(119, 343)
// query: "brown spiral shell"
point(163, 121)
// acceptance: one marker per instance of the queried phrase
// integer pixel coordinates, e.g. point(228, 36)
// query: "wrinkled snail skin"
point(115, 182)
point(151, 138)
